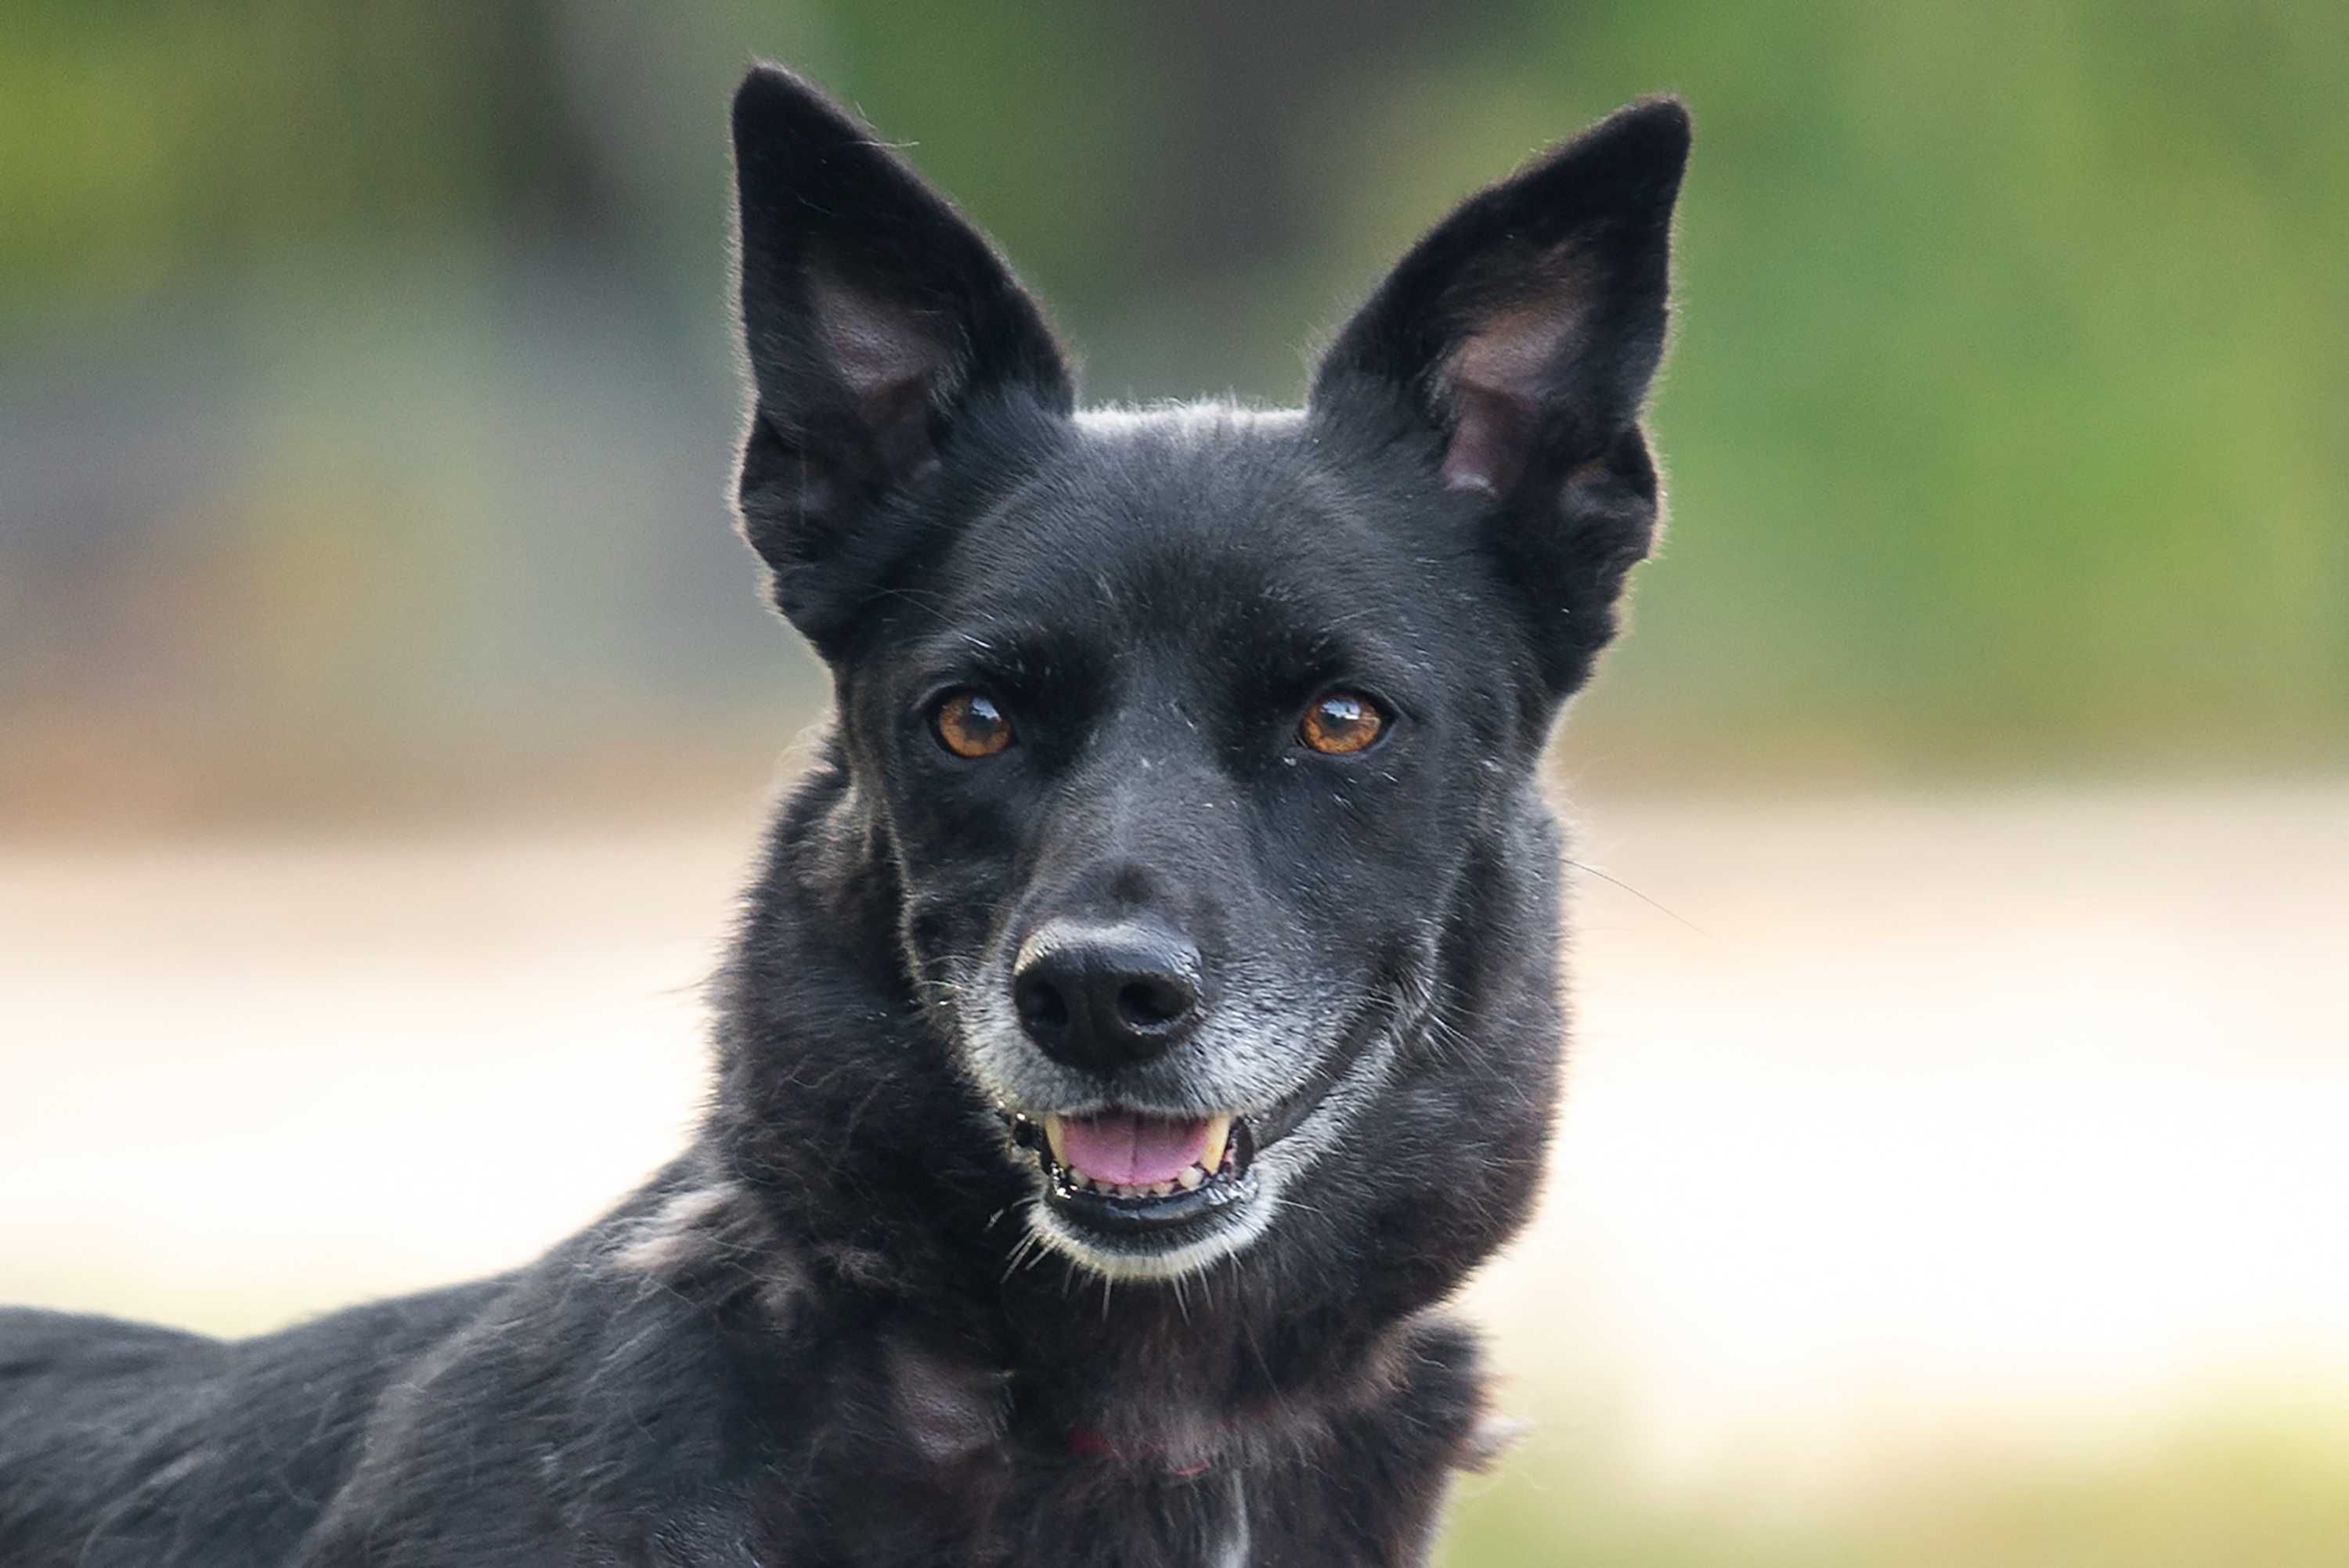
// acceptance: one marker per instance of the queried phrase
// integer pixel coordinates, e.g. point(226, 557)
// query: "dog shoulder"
point(602, 1389)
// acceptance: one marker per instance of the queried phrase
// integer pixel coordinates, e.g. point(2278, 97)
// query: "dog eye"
point(968, 724)
point(1340, 722)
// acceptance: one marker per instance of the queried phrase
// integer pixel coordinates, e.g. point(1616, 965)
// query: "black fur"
point(850, 1324)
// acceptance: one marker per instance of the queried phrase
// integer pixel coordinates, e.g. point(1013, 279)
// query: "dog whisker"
point(1588, 870)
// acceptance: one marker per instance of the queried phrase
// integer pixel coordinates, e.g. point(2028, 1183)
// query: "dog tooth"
point(1219, 1134)
point(1190, 1178)
point(1054, 1136)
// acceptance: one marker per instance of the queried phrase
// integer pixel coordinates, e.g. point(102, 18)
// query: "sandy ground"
point(1914, 1123)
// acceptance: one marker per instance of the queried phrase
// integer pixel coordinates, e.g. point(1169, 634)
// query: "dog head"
point(1200, 742)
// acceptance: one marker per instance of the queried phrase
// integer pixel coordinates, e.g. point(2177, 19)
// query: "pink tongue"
point(1132, 1150)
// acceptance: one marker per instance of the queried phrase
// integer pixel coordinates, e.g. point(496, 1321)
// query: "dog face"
point(1184, 730)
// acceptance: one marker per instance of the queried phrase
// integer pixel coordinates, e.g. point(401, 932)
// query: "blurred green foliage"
point(147, 142)
point(2006, 429)
point(2267, 1491)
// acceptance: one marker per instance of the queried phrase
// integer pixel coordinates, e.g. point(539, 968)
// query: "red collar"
point(1085, 1443)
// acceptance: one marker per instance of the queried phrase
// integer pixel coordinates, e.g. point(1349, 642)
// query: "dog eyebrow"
point(1026, 652)
point(1018, 644)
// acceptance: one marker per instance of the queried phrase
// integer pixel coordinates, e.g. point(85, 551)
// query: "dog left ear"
point(1514, 345)
point(876, 321)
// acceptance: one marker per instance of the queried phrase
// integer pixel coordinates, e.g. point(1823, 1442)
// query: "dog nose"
point(1105, 997)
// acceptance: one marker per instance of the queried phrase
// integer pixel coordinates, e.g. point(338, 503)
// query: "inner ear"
point(891, 363)
point(1498, 382)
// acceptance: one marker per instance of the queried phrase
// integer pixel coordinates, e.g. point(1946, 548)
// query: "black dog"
point(1148, 1010)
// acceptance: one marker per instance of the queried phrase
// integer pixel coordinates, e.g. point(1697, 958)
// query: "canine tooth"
point(1219, 1134)
point(1190, 1178)
point(1053, 1135)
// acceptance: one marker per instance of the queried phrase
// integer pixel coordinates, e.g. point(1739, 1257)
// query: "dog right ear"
point(1511, 349)
point(874, 318)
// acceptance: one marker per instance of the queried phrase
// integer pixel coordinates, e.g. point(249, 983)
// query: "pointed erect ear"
point(876, 320)
point(1514, 346)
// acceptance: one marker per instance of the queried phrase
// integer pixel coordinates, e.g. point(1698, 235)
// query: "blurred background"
point(1952, 1172)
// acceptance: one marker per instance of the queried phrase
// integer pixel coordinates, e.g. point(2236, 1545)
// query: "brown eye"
point(1341, 722)
point(968, 724)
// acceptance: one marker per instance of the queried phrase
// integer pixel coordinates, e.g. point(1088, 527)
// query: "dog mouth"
point(1143, 1191)
point(1140, 1173)
point(1133, 1171)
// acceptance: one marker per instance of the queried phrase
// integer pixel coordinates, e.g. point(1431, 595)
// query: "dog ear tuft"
point(1516, 341)
point(874, 317)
